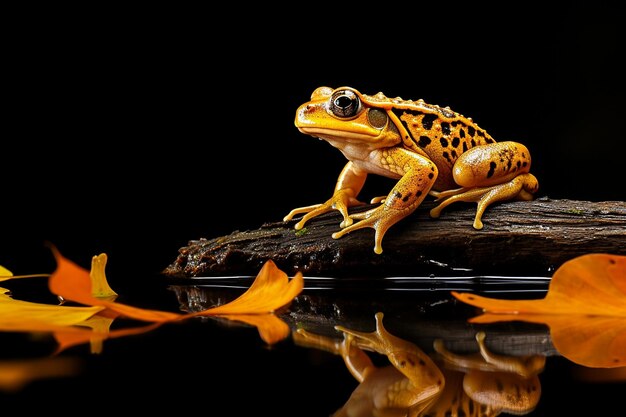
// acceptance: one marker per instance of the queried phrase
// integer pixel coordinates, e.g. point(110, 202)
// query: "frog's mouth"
point(331, 134)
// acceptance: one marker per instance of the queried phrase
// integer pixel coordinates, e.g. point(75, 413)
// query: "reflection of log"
point(523, 237)
point(420, 318)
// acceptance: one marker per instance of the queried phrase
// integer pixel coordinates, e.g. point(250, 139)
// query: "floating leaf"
point(5, 273)
point(593, 284)
point(18, 315)
point(99, 285)
point(585, 308)
point(71, 282)
point(270, 291)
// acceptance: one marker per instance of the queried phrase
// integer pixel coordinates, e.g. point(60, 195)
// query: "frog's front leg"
point(426, 379)
point(417, 175)
point(349, 184)
point(487, 174)
point(357, 361)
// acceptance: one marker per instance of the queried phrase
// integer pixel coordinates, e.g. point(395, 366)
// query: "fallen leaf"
point(18, 315)
point(99, 285)
point(593, 284)
point(5, 273)
point(72, 282)
point(585, 308)
point(270, 291)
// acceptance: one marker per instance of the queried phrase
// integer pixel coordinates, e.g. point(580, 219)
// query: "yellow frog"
point(428, 149)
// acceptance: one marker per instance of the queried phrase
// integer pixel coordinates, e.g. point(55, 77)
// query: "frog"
point(437, 384)
point(428, 149)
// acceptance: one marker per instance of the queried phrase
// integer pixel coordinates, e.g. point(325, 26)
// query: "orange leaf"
point(72, 282)
point(593, 284)
point(585, 308)
point(270, 291)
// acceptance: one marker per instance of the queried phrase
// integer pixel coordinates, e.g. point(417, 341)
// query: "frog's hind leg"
point(520, 187)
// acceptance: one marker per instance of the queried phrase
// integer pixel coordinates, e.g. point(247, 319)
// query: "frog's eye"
point(344, 103)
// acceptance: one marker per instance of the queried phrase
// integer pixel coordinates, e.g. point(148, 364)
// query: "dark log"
point(519, 238)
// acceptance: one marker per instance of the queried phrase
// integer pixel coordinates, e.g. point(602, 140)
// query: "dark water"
point(216, 367)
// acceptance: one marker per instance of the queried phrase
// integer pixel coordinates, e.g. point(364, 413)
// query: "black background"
point(131, 132)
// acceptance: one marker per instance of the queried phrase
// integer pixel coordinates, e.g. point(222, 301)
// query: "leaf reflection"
point(585, 308)
point(16, 374)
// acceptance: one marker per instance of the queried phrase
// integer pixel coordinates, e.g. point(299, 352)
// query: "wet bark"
point(519, 238)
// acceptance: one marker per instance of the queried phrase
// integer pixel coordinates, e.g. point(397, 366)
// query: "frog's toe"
point(347, 221)
point(378, 243)
point(364, 214)
point(300, 210)
point(354, 226)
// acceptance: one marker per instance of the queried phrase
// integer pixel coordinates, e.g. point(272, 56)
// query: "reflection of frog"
point(414, 385)
point(427, 148)
point(488, 382)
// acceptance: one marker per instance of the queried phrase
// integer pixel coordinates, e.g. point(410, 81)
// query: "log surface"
point(519, 238)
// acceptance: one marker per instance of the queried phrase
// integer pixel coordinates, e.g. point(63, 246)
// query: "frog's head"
point(345, 115)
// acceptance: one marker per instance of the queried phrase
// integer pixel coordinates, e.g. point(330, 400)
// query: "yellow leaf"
point(270, 291)
point(20, 315)
point(5, 273)
point(99, 285)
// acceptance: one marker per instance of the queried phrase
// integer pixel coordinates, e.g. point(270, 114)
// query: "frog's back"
point(439, 132)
